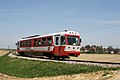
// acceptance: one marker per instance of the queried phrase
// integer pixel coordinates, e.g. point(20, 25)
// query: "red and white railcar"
point(62, 44)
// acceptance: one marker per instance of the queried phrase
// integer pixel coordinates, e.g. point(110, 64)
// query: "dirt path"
point(101, 75)
point(3, 52)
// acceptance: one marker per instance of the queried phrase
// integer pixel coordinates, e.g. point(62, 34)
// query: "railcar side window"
point(63, 40)
point(57, 41)
point(24, 43)
point(35, 42)
point(49, 41)
point(20, 44)
point(44, 41)
point(39, 42)
point(29, 43)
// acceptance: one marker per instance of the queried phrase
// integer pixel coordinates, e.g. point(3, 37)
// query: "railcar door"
point(57, 45)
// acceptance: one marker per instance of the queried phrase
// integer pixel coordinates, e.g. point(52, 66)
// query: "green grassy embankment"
point(29, 68)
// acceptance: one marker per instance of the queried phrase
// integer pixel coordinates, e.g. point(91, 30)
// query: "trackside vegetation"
point(30, 69)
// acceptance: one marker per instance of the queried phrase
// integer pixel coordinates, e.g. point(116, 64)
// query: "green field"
point(29, 68)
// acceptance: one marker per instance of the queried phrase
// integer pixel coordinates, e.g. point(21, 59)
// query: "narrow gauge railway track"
point(69, 61)
point(96, 63)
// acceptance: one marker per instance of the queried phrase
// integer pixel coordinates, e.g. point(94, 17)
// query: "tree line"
point(99, 49)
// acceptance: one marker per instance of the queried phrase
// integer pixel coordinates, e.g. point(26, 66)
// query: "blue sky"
point(98, 21)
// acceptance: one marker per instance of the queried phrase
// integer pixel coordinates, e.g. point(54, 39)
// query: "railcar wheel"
point(56, 58)
point(50, 57)
point(22, 54)
point(63, 58)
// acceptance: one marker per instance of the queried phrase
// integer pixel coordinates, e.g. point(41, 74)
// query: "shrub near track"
point(29, 68)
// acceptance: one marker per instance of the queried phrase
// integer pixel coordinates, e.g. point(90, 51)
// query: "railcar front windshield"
point(73, 40)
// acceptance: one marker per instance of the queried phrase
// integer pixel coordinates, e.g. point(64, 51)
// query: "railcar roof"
point(61, 33)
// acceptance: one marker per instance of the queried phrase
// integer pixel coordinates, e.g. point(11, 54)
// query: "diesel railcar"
point(60, 45)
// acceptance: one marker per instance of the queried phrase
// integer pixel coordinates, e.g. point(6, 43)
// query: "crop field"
point(99, 57)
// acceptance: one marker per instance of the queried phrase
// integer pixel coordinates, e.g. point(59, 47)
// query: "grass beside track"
point(30, 69)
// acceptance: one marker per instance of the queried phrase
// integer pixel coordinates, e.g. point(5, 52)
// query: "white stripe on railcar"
point(45, 48)
point(72, 48)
